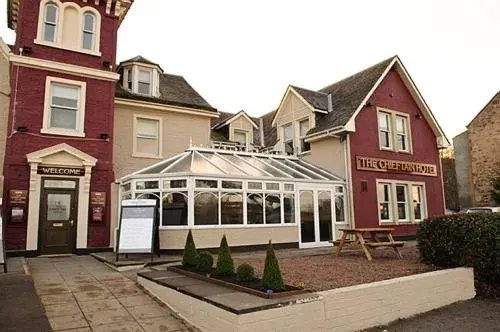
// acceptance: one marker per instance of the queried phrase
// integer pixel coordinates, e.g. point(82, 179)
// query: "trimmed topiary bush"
point(245, 272)
point(471, 240)
point(190, 257)
point(225, 264)
point(271, 278)
point(205, 262)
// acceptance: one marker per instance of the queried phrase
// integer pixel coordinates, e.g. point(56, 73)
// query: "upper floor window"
point(303, 129)
point(50, 22)
point(88, 31)
point(288, 138)
point(144, 83)
point(69, 26)
point(64, 107)
point(394, 131)
point(128, 78)
point(147, 136)
point(240, 136)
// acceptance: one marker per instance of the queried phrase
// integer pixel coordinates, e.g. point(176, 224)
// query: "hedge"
point(470, 240)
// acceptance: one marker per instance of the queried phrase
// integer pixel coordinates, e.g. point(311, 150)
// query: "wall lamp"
point(26, 50)
point(107, 64)
point(22, 129)
point(104, 136)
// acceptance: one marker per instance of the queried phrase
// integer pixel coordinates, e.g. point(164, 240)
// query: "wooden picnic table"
point(369, 238)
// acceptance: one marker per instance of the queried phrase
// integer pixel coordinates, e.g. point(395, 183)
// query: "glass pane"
point(222, 164)
point(49, 33)
point(307, 172)
point(324, 172)
point(401, 193)
point(255, 210)
point(257, 163)
point(62, 118)
point(303, 127)
point(273, 209)
point(167, 184)
point(206, 209)
point(231, 206)
point(249, 170)
point(255, 185)
point(385, 139)
point(58, 207)
point(144, 76)
point(146, 185)
point(289, 187)
point(88, 22)
point(339, 189)
point(325, 216)
point(383, 121)
point(289, 208)
point(402, 211)
point(272, 186)
point(88, 40)
point(148, 146)
point(182, 166)
point(144, 88)
point(307, 229)
point(127, 186)
point(206, 184)
point(200, 165)
point(59, 184)
point(401, 124)
point(278, 164)
point(288, 133)
point(339, 209)
point(401, 142)
point(418, 211)
point(232, 184)
point(385, 211)
point(240, 137)
point(50, 14)
point(147, 127)
point(175, 209)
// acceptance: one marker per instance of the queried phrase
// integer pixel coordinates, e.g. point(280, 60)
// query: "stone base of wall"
point(343, 309)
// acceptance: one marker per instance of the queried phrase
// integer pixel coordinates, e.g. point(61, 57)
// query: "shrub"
point(225, 264)
point(471, 240)
point(495, 191)
point(205, 262)
point(245, 272)
point(190, 257)
point(271, 279)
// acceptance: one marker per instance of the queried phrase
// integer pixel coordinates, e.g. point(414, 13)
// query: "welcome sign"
point(67, 171)
point(395, 166)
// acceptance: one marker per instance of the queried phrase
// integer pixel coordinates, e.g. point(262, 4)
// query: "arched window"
point(50, 22)
point(88, 31)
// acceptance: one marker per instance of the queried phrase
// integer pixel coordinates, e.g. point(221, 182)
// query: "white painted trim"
point(233, 118)
point(140, 64)
point(162, 107)
point(349, 184)
point(80, 116)
point(137, 154)
point(64, 68)
point(37, 156)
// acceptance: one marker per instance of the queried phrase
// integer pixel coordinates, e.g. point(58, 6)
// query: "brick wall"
point(484, 135)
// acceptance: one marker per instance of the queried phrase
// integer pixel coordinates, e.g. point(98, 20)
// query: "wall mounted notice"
point(137, 224)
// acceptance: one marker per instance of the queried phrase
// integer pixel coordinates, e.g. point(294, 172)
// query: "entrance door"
point(316, 222)
point(58, 210)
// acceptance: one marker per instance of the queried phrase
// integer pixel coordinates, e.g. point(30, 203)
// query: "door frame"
point(42, 209)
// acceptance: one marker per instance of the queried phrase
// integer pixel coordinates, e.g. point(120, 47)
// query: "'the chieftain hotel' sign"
point(396, 166)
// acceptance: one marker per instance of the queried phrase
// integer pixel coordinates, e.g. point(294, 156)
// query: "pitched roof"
point(318, 100)
point(495, 96)
point(174, 90)
point(224, 116)
point(347, 95)
point(218, 135)
point(270, 132)
point(140, 59)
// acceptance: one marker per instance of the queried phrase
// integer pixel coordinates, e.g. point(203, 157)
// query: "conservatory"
point(250, 197)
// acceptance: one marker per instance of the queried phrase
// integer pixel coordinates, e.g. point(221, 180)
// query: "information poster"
point(137, 224)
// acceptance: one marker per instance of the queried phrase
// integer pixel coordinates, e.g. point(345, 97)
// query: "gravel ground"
point(479, 315)
point(324, 272)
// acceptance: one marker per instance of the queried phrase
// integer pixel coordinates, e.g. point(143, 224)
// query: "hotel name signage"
point(66, 171)
point(395, 166)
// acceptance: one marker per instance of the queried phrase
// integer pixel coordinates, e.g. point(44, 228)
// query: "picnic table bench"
point(375, 238)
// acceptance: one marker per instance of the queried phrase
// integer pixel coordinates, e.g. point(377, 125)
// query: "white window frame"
point(80, 117)
point(409, 204)
point(93, 32)
point(151, 73)
point(392, 115)
point(283, 144)
point(406, 133)
point(241, 131)
point(57, 43)
point(138, 154)
point(44, 17)
point(301, 137)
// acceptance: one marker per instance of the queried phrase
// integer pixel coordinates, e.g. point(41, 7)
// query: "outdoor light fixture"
point(106, 64)
point(104, 136)
point(22, 129)
point(418, 115)
point(26, 50)
point(369, 104)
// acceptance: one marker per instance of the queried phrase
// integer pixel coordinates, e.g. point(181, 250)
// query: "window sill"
point(59, 46)
point(62, 132)
point(146, 156)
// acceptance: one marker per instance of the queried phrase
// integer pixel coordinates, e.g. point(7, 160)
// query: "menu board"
point(137, 224)
point(2, 244)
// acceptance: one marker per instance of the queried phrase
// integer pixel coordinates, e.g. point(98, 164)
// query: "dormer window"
point(128, 79)
point(144, 84)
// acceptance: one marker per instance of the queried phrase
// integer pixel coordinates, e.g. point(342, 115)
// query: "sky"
point(243, 54)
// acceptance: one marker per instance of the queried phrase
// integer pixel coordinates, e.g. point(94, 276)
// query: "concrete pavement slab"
point(147, 311)
point(137, 300)
point(68, 322)
point(119, 327)
point(88, 307)
point(88, 296)
point(164, 324)
point(57, 298)
point(63, 309)
point(105, 317)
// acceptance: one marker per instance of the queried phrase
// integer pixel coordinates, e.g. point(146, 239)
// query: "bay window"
point(400, 202)
point(144, 82)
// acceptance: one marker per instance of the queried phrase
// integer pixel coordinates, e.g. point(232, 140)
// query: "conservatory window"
point(339, 205)
point(232, 184)
point(289, 208)
point(272, 186)
point(146, 185)
point(255, 185)
point(231, 205)
point(206, 208)
point(168, 184)
point(175, 209)
point(255, 209)
point(206, 184)
point(273, 209)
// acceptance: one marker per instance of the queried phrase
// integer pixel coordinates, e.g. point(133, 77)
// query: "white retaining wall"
point(343, 309)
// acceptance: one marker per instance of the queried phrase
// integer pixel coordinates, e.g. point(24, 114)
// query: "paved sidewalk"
point(80, 294)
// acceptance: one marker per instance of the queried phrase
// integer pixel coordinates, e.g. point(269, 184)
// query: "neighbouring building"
point(4, 102)
point(477, 156)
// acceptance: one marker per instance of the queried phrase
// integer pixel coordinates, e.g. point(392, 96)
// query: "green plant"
point(245, 272)
point(495, 192)
point(205, 262)
point(225, 264)
point(190, 257)
point(272, 279)
point(471, 240)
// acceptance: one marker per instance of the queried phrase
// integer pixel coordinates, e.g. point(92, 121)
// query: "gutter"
point(325, 133)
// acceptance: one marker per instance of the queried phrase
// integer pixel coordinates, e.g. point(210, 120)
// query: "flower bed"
point(251, 287)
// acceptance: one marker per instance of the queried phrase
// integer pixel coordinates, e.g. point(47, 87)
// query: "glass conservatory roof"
point(234, 164)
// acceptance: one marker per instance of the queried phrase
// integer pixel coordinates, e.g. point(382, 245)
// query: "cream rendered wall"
point(241, 123)
point(178, 130)
point(329, 154)
point(293, 110)
point(210, 237)
point(4, 108)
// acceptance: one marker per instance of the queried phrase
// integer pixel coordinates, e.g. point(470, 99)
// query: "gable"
point(292, 108)
point(488, 113)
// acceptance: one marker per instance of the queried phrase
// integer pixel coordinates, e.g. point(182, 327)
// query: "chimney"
point(330, 103)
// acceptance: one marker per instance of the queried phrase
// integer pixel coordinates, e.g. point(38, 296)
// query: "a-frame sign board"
point(3, 260)
point(137, 228)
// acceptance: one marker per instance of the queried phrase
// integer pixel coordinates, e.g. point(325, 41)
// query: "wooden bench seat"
point(385, 244)
point(337, 242)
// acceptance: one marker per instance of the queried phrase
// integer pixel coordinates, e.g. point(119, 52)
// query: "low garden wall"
point(343, 309)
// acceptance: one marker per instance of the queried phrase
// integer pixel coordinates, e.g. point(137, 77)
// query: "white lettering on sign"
point(61, 171)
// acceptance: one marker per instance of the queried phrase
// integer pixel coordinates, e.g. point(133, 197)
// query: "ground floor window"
point(400, 202)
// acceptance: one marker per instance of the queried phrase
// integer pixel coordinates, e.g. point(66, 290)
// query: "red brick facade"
point(392, 94)
point(27, 108)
